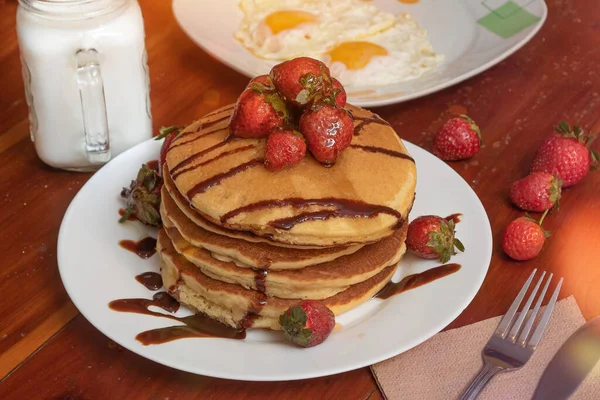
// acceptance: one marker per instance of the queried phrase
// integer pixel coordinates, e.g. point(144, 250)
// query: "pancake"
point(316, 282)
point(224, 179)
point(202, 222)
point(243, 253)
point(231, 304)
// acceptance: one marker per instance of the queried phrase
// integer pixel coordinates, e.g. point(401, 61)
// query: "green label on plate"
point(508, 20)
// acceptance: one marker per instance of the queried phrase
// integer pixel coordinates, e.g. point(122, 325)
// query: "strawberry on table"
point(302, 80)
point(283, 149)
point(307, 324)
point(328, 130)
point(566, 154)
point(459, 138)
point(431, 237)
point(537, 192)
point(258, 112)
point(524, 238)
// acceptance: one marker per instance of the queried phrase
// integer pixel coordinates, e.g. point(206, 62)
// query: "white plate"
point(95, 270)
point(455, 28)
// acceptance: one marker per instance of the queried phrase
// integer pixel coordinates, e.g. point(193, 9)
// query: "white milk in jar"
point(86, 79)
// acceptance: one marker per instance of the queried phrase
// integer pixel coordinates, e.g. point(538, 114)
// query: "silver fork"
point(510, 347)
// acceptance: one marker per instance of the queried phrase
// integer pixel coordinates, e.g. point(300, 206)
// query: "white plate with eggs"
point(383, 51)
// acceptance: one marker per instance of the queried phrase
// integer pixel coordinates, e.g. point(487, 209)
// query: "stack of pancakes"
point(241, 244)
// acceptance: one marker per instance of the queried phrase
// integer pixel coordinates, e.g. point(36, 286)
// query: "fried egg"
point(284, 29)
point(399, 53)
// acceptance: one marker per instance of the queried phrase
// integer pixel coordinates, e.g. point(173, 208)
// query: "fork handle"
point(483, 377)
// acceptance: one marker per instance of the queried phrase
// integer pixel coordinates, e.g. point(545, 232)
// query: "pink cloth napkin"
point(442, 367)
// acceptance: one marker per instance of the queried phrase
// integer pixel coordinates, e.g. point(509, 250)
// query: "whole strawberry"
point(566, 154)
point(307, 324)
point(328, 130)
point(524, 238)
point(258, 112)
point(302, 80)
point(283, 149)
point(459, 138)
point(339, 93)
point(539, 191)
point(431, 237)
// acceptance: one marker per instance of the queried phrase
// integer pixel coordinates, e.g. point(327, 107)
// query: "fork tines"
point(509, 331)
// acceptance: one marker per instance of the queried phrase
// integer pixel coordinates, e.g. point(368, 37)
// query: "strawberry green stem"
point(543, 216)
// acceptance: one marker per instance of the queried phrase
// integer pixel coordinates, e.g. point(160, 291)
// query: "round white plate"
point(473, 35)
point(95, 270)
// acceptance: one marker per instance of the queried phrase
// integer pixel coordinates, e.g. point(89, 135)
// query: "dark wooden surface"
point(48, 350)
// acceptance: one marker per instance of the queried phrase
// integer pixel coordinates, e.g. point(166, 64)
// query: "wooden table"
point(48, 350)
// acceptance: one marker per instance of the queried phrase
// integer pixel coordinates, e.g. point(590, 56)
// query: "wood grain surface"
point(48, 351)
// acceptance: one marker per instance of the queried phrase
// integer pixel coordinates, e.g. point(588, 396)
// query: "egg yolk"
point(288, 19)
point(356, 55)
point(408, 1)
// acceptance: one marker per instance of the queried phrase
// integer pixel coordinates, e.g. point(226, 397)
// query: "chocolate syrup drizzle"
point(373, 149)
point(196, 325)
point(177, 171)
point(151, 280)
point(215, 180)
point(341, 208)
point(375, 119)
point(260, 279)
point(416, 280)
point(144, 248)
point(177, 140)
point(454, 217)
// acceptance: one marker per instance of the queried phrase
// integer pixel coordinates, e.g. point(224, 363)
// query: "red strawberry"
point(283, 149)
point(524, 238)
point(307, 324)
point(168, 134)
point(262, 79)
point(340, 93)
point(432, 237)
point(328, 130)
point(302, 80)
point(566, 154)
point(459, 138)
point(258, 112)
point(537, 192)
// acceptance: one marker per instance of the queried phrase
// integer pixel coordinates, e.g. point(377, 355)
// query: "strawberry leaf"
point(293, 325)
point(141, 198)
point(165, 131)
point(128, 213)
point(316, 88)
point(564, 129)
point(546, 233)
point(530, 218)
point(458, 244)
point(595, 159)
point(444, 242)
point(260, 87)
point(278, 104)
point(554, 191)
point(473, 127)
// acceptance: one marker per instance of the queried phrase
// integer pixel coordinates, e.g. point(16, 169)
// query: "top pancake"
point(361, 199)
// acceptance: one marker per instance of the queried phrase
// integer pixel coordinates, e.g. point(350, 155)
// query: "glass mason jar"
point(86, 79)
